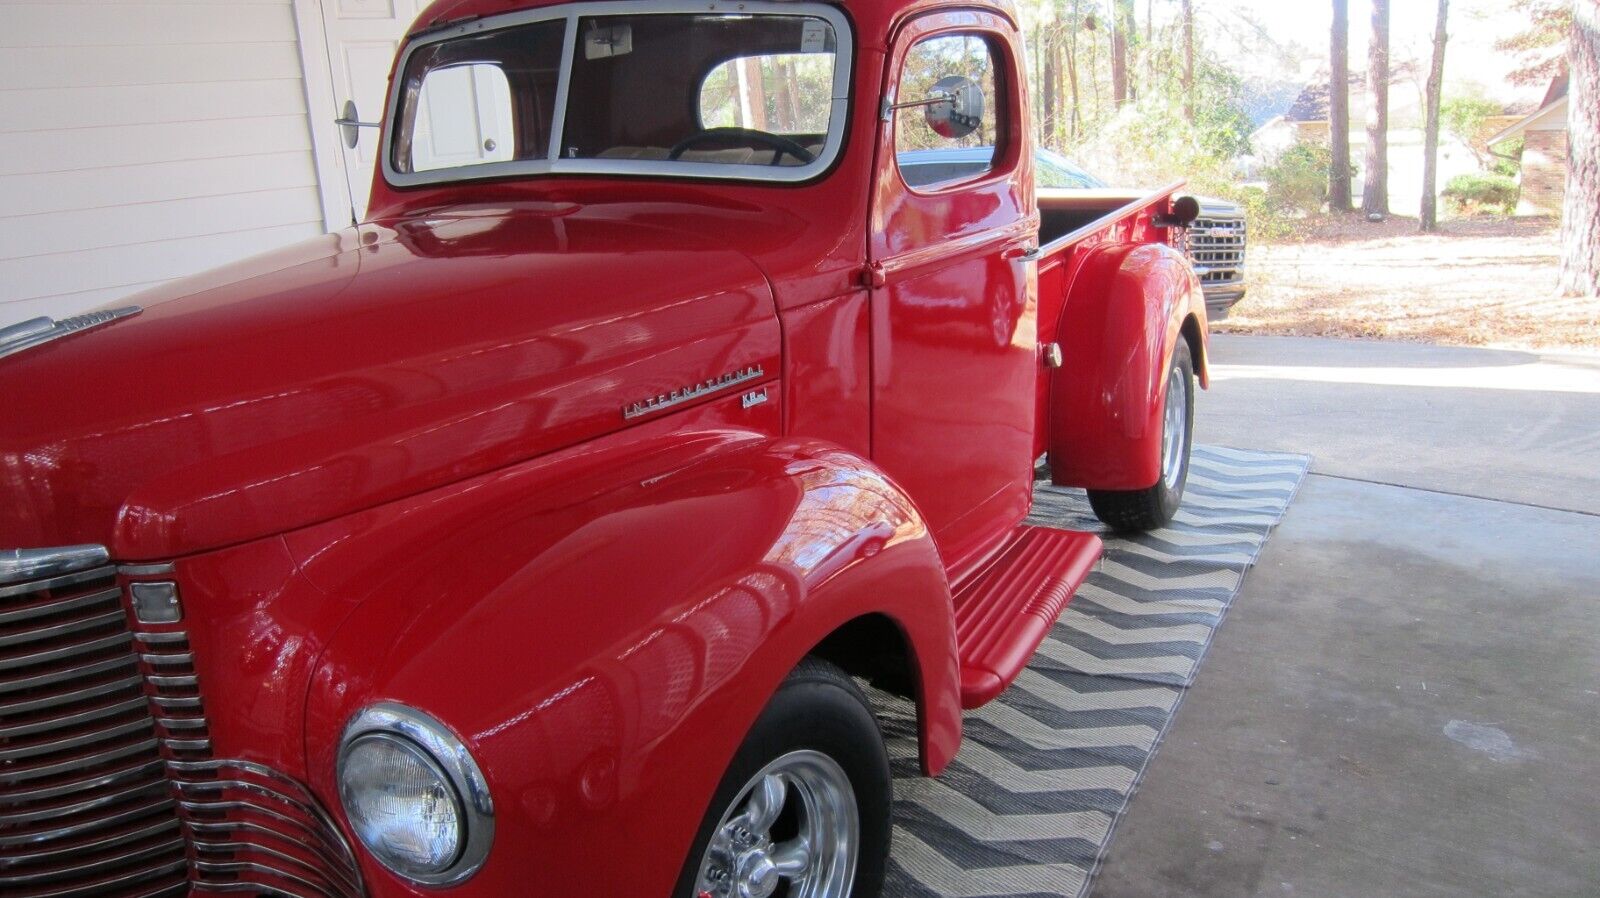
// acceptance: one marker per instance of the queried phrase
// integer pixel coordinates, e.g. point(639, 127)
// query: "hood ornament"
point(693, 391)
point(42, 330)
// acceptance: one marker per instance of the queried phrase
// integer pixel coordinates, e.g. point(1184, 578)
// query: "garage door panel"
point(63, 191)
point(38, 235)
point(36, 152)
point(56, 67)
point(69, 272)
point(86, 107)
point(141, 24)
point(142, 141)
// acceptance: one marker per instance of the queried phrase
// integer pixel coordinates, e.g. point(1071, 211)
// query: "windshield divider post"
point(558, 124)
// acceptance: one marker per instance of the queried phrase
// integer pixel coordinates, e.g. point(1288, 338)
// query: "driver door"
point(954, 335)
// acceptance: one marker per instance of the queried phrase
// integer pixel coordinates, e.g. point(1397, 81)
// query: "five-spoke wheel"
point(803, 811)
point(795, 822)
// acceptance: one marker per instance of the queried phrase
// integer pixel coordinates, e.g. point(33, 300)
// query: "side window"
point(949, 122)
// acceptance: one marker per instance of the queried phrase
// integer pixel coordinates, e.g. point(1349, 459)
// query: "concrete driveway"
point(1405, 699)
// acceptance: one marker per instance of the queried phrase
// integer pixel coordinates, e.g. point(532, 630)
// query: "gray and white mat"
point(1045, 771)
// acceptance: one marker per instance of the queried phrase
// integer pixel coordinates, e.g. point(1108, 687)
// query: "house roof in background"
point(1557, 91)
point(1555, 104)
point(1312, 103)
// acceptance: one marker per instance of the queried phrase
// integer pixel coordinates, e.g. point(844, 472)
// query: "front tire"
point(803, 811)
point(1153, 508)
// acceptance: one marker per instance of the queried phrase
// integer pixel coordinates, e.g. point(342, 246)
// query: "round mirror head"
point(348, 129)
point(958, 110)
point(1185, 209)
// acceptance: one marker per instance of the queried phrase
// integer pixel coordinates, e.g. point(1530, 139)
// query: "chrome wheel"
point(794, 825)
point(1174, 433)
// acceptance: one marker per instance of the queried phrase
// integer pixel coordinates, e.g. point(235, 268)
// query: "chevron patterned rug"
point(1045, 771)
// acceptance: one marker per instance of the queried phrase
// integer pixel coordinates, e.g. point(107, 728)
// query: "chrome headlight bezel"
point(451, 759)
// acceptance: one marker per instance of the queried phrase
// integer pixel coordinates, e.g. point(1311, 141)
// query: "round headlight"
point(414, 796)
point(401, 806)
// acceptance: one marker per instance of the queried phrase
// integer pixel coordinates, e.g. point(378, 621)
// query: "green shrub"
point(1483, 192)
point(1508, 157)
point(1297, 183)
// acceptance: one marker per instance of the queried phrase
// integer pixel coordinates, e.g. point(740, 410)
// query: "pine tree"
point(1339, 109)
point(1580, 219)
point(1375, 189)
point(1430, 158)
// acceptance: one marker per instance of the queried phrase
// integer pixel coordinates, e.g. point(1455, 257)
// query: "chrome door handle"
point(1024, 253)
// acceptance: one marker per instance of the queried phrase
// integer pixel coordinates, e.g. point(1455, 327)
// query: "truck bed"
point(1066, 217)
point(1072, 223)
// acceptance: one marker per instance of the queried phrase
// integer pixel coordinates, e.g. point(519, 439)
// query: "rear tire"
point(813, 767)
point(1153, 508)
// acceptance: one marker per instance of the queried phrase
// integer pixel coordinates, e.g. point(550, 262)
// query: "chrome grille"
point(254, 826)
point(85, 807)
point(1216, 247)
point(253, 830)
point(108, 787)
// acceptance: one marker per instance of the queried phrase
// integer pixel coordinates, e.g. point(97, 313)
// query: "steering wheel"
point(781, 146)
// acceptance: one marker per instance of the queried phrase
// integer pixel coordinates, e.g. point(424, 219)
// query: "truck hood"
point(360, 367)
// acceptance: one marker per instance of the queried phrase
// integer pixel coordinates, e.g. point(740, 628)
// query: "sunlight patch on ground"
point(1541, 377)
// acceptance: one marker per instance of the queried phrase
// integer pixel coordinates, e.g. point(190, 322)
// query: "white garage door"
point(140, 142)
point(362, 37)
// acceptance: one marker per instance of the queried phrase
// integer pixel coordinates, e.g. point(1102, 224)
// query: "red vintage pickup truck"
point(531, 537)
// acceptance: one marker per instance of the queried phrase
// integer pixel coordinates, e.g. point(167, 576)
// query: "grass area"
point(1480, 282)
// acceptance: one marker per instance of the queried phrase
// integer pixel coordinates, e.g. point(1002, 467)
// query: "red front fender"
point(1128, 308)
point(601, 633)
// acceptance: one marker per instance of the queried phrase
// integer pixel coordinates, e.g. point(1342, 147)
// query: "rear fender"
point(603, 634)
point(1127, 309)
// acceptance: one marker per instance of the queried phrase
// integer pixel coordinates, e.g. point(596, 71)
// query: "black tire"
point(818, 708)
point(1153, 508)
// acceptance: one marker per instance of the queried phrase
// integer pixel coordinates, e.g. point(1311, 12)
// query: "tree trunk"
point(1072, 71)
point(1129, 29)
point(1094, 73)
point(1048, 103)
point(1058, 52)
point(1147, 53)
point(1375, 190)
point(1580, 220)
point(1188, 61)
point(1339, 110)
point(1119, 51)
point(752, 96)
point(1430, 141)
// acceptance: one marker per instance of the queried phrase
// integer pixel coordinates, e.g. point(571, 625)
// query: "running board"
point(1005, 611)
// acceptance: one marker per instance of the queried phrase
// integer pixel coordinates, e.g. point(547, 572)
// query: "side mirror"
point(955, 108)
point(1185, 209)
point(350, 124)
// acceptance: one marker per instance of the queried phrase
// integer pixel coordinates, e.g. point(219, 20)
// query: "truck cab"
point(537, 534)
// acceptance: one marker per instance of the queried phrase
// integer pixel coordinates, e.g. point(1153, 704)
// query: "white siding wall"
point(140, 142)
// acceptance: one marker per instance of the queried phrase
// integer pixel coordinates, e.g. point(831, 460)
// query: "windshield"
point(1053, 170)
point(757, 94)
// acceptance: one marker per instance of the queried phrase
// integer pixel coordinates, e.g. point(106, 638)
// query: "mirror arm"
point(349, 120)
point(891, 107)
